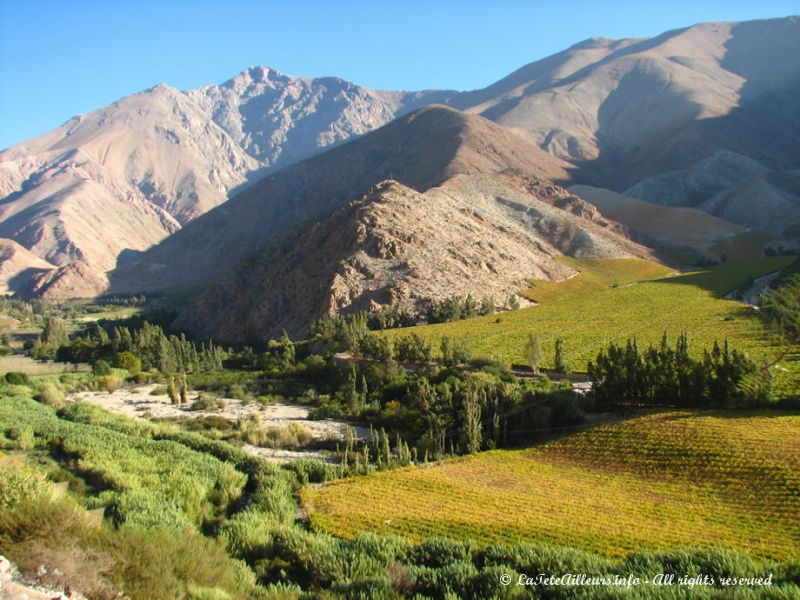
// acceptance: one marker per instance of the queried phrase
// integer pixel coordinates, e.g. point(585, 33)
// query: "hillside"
point(17, 263)
point(648, 483)
point(418, 150)
point(705, 116)
point(670, 228)
point(396, 247)
point(626, 110)
point(613, 300)
point(124, 177)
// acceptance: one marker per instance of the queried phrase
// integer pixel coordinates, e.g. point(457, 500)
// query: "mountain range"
point(696, 126)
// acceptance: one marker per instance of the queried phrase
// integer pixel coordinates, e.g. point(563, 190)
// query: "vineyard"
point(612, 300)
point(650, 483)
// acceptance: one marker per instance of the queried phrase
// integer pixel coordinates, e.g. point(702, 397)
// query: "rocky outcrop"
point(419, 150)
point(396, 247)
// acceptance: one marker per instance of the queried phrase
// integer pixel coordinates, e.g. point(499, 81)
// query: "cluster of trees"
point(667, 376)
point(376, 452)
point(456, 307)
point(148, 344)
point(463, 414)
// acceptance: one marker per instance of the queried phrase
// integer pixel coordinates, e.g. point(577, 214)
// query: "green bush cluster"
point(663, 376)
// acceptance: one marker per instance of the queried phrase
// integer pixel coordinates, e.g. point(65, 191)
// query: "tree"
point(173, 393)
point(55, 332)
point(471, 432)
point(782, 307)
point(533, 352)
point(561, 366)
point(184, 395)
point(513, 302)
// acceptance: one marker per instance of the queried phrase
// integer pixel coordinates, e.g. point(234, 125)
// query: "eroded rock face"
point(396, 247)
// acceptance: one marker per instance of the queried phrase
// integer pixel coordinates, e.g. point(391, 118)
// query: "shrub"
point(22, 437)
point(101, 367)
point(21, 486)
point(107, 383)
point(128, 361)
point(207, 402)
point(15, 378)
point(51, 395)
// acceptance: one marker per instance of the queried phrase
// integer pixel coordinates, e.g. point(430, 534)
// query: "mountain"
point(675, 228)
point(627, 110)
point(396, 247)
point(677, 119)
point(17, 263)
point(114, 182)
point(418, 150)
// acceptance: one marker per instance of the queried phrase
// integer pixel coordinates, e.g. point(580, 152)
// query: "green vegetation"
point(653, 482)
point(662, 376)
point(613, 300)
point(187, 513)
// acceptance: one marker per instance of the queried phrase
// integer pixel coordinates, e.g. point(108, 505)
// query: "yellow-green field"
point(614, 299)
point(659, 481)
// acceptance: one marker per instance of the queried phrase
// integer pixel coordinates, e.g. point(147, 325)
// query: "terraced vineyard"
point(612, 300)
point(654, 482)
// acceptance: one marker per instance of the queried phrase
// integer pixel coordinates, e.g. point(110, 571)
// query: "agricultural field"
point(29, 366)
point(659, 481)
point(614, 299)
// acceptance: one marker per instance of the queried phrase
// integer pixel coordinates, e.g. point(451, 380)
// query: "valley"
point(288, 337)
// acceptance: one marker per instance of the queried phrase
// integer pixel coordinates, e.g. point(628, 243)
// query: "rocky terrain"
point(705, 117)
point(657, 226)
point(626, 110)
point(396, 247)
point(114, 182)
point(419, 150)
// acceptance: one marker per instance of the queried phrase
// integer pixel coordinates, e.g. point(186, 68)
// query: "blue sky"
point(60, 58)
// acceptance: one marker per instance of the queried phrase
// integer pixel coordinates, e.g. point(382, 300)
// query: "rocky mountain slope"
point(475, 234)
point(418, 150)
point(625, 110)
point(111, 183)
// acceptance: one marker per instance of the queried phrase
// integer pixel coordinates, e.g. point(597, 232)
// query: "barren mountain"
point(769, 202)
point(17, 263)
point(398, 247)
point(630, 109)
point(675, 228)
point(122, 178)
point(418, 150)
point(675, 119)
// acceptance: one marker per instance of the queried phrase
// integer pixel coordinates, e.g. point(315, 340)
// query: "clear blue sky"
point(59, 58)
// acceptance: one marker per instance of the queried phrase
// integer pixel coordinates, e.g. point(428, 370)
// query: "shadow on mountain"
point(23, 282)
point(765, 126)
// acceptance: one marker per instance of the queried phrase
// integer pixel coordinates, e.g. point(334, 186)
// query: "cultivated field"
point(29, 366)
point(654, 482)
point(612, 300)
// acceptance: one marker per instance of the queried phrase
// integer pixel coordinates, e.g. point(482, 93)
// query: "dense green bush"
point(15, 378)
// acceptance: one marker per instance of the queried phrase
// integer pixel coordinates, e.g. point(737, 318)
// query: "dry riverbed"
point(139, 403)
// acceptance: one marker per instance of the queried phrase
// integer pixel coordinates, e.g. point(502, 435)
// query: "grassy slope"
point(653, 482)
point(616, 299)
